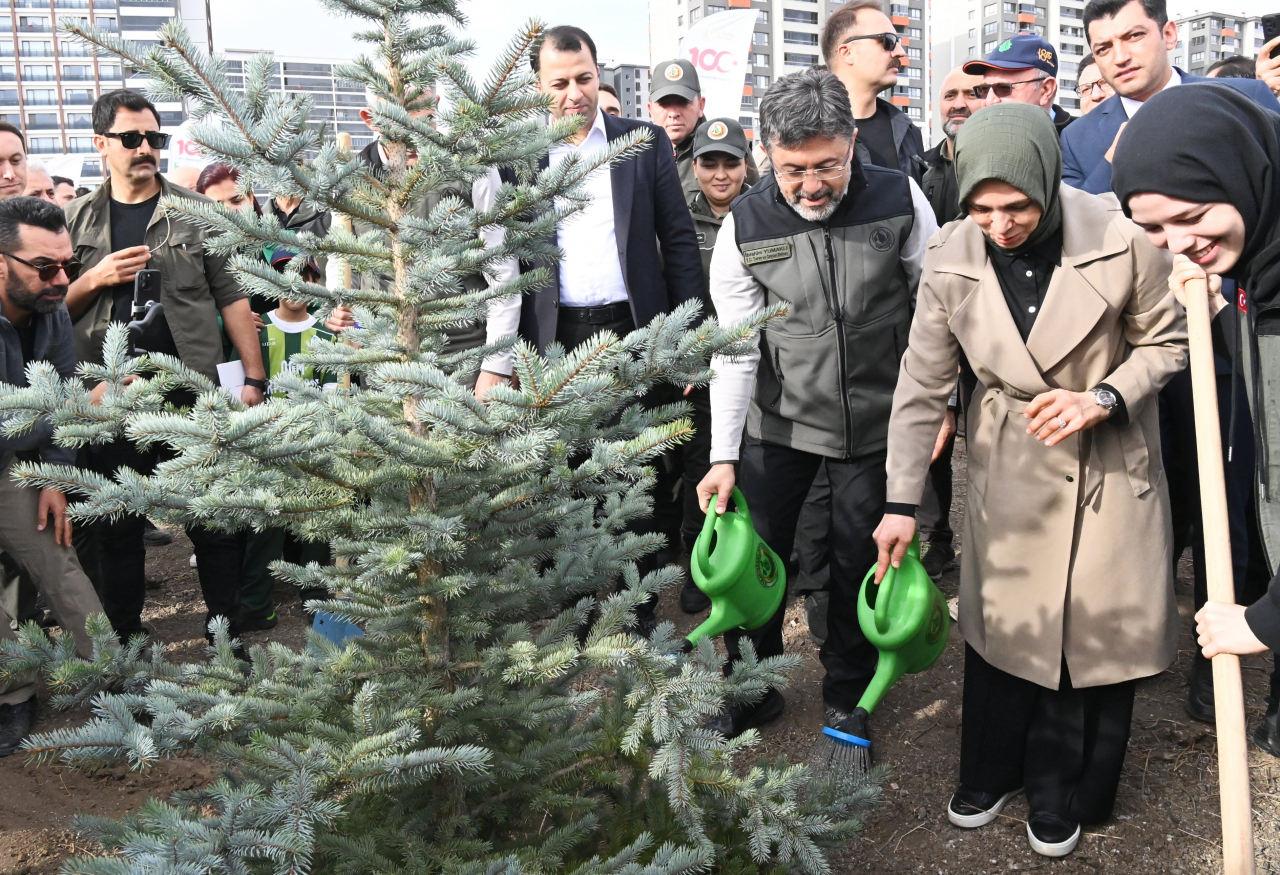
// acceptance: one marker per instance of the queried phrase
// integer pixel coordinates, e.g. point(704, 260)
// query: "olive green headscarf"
point(1018, 144)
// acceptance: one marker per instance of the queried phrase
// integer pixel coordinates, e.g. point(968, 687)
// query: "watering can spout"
point(889, 667)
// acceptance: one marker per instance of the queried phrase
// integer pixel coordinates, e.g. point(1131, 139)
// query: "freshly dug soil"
point(1166, 818)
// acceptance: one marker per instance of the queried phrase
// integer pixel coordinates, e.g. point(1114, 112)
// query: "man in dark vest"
point(842, 243)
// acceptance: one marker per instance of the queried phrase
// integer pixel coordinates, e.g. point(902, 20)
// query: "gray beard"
point(819, 214)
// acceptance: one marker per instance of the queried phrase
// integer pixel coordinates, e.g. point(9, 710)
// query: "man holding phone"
point(127, 241)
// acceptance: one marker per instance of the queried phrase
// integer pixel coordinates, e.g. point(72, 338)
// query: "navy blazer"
point(1086, 140)
point(657, 244)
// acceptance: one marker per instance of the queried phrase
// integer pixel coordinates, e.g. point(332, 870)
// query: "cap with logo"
point(674, 78)
point(1026, 51)
point(720, 135)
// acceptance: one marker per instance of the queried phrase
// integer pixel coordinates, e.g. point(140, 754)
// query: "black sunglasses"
point(889, 41)
point(133, 139)
point(47, 269)
point(1003, 89)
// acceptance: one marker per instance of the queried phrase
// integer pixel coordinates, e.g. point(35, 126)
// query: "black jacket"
point(657, 246)
point(939, 183)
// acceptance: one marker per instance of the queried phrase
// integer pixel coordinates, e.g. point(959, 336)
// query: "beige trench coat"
point(1067, 549)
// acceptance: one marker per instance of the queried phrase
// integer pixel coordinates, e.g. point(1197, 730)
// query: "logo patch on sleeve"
point(882, 239)
point(761, 254)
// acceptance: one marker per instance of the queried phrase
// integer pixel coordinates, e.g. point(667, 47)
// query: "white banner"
point(719, 47)
point(184, 151)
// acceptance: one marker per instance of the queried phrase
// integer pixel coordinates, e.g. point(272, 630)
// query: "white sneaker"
point(1051, 835)
point(192, 560)
point(975, 809)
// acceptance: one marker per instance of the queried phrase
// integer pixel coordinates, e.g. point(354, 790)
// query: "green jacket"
point(195, 284)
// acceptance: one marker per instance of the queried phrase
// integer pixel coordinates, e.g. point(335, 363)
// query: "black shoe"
point(737, 719)
point(1266, 734)
point(1199, 702)
point(1051, 835)
point(970, 809)
point(692, 599)
point(646, 621)
point(259, 623)
point(15, 723)
point(153, 537)
point(939, 559)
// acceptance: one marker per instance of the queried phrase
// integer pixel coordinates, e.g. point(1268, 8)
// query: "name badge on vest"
point(772, 252)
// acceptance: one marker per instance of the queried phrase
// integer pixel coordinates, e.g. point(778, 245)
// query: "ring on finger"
point(1062, 423)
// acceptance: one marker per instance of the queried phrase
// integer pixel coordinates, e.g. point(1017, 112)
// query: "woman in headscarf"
point(1211, 196)
point(1062, 309)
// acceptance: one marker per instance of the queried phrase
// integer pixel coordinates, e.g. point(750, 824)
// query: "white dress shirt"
point(590, 272)
point(503, 319)
point(1131, 106)
point(737, 294)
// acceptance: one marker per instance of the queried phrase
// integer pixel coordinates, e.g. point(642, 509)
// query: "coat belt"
point(1128, 442)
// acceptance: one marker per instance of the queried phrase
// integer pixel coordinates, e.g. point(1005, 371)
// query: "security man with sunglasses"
point(863, 48)
point(1022, 69)
point(117, 231)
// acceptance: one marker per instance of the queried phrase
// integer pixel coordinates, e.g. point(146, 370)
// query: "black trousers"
point(667, 518)
point(113, 556)
point(693, 460)
point(935, 509)
point(775, 480)
point(1066, 747)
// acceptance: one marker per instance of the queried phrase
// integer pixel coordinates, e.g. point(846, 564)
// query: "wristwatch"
point(255, 383)
point(1105, 398)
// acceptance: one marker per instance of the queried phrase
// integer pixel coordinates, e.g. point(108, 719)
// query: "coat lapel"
point(1073, 304)
point(983, 321)
point(622, 178)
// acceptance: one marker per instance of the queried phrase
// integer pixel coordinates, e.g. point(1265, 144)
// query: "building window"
point(760, 60)
point(798, 59)
point(80, 144)
point(989, 10)
point(760, 81)
point(45, 144)
point(42, 120)
point(759, 38)
point(914, 32)
point(799, 38)
point(802, 16)
point(990, 27)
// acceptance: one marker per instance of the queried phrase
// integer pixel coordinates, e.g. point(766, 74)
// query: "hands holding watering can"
point(719, 482)
point(893, 536)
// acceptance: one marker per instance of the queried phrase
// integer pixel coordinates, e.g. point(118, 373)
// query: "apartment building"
point(631, 81)
point(335, 102)
point(786, 39)
point(990, 22)
point(49, 81)
point(1206, 37)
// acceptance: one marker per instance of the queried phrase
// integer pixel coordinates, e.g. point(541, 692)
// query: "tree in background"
point(497, 715)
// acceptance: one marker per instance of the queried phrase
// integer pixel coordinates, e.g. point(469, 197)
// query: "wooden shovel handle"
point(1228, 693)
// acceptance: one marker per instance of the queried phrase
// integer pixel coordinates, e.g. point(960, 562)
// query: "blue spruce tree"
point(498, 715)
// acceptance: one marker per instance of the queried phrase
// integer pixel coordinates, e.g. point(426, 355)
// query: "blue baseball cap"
point(1026, 51)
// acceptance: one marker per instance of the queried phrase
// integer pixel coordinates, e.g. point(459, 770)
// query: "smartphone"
point(1271, 30)
point(146, 289)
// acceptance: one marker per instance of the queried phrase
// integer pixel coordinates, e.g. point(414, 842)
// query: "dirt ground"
point(1166, 818)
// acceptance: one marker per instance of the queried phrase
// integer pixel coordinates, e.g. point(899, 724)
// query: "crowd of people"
point(1021, 277)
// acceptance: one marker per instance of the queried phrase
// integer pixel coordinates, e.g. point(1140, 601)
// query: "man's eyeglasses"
point(823, 173)
point(888, 41)
point(1003, 89)
point(133, 139)
point(47, 269)
point(1098, 86)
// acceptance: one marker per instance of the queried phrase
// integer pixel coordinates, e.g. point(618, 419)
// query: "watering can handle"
point(700, 545)
point(883, 597)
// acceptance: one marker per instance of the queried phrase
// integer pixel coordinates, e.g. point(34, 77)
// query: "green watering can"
point(742, 576)
point(908, 623)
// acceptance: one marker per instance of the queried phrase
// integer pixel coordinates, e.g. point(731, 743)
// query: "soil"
point(1166, 817)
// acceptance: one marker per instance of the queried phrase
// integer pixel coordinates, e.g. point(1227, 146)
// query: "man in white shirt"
point(630, 254)
point(841, 243)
